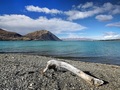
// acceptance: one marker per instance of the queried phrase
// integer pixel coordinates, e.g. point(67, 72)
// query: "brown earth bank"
point(23, 72)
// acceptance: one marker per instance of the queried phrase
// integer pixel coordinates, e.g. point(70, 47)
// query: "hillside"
point(42, 35)
point(7, 35)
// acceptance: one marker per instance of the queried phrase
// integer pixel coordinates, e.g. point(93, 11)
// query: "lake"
point(107, 52)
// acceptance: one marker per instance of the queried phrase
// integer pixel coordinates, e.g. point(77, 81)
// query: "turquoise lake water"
point(91, 51)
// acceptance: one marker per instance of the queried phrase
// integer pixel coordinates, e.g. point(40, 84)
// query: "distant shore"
point(19, 71)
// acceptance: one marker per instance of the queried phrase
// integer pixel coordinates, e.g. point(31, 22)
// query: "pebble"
point(13, 57)
point(31, 86)
point(28, 64)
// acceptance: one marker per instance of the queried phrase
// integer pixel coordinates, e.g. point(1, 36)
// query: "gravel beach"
point(23, 72)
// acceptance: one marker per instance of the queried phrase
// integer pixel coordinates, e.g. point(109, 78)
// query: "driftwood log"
point(92, 80)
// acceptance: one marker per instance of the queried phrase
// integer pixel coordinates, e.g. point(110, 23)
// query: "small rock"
point(13, 57)
point(31, 86)
point(6, 56)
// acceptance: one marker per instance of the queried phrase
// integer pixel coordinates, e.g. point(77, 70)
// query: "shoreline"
point(99, 60)
point(21, 71)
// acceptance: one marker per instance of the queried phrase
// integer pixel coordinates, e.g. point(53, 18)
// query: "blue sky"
point(96, 19)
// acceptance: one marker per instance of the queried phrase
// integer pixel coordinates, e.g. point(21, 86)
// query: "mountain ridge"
point(7, 35)
point(77, 39)
point(41, 35)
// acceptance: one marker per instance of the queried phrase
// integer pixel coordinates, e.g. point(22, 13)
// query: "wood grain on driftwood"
point(92, 80)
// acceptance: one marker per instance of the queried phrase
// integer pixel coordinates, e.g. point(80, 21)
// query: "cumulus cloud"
point(90, 10)
point(84, 6)
point(111, 35)
point(75, 14)
point(116, 24)
point(87, 5)
point(24, 24)
point(107, 6)
point(110, 8)
point(44, 10)
point(81, 11)
point(104, 17)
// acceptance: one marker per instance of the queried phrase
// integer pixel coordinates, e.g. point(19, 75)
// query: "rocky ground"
point(23, 72)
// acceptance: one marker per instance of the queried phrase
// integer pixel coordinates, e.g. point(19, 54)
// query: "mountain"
point(110, 40)
point(42, 35)
point(7, 35)
point(77, 39)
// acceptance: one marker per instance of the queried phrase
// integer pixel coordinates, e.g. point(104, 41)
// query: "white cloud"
point(81, 11)
point(84, 6)
point(24, 24)
point(112, 9)
point(116, 24)
point(44, 10)
point(116, 9)
point(87, 5)
point(111, 35)
point(104, 17)
point(90, 10)
point(75, 14)
point(107, 6)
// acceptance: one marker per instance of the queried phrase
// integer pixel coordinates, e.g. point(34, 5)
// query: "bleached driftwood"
point(92, 80)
